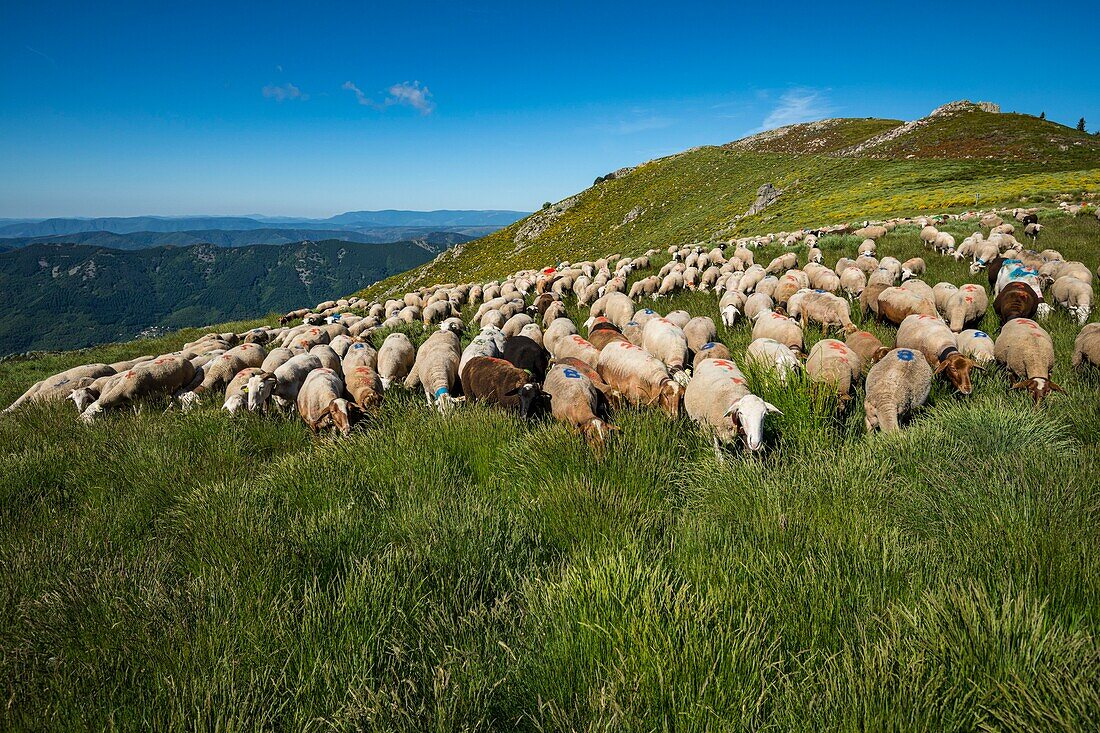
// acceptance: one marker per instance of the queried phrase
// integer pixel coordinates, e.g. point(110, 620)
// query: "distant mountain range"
point(349, 221)
point(245, 237)
point(56, 296)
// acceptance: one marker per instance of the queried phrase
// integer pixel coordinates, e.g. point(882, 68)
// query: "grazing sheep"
point(436, 369)
point(871, 232)
point(772, 356)
point(321, 402)
point(679, 318)
point(290, 376)
point(395, 359)
point(1073, 295)
point(645, 286)
point(896, 304)
point(932, 337)
point(942, 293)
point(576, 347)
point(666, 341)
point(238, 392)
point(516, 324)
point(699, 331)
point(928, 235)
point(831, 362)
point(710, 350)
point(527, 354)
point(533, 332)
point(782, 263)
point(640, 377)
point(730, 306)
point(485, 343)
point(718, 398)
point(558, 330)
point(1086, 347)
point(976, 345)
point(160, 376)
point(498, 382)
point(966, 307)
point(853, 280)
point(219, 372)
point(756, 304)
point(831, 311)
point(867, 345)
point(329, 358)
point(912, 267)
point(778, 327)
point(575, 400)
point(1027, 350)
point(752, 277)
point(61, 385)
point(1016, 300)
point(896, 385)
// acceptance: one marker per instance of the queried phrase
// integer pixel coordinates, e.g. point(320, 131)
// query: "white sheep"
point(718, 398)
point(896, 385)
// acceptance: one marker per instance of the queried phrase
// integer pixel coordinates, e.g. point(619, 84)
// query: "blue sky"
point(116, 109)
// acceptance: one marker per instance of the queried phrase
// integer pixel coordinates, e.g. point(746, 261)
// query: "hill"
point(956, 157)
point(348, 221)
point(243, 237)
point(69, 296)
point(479, 572)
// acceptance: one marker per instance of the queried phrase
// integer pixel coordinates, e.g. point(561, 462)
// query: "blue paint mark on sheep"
point(981, 335)
point(709, 345)
point(359, 346)
point(441, 391)
point(905, 354)
point(571, 373)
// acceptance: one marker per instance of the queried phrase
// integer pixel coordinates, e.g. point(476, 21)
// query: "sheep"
point(1032, 230)
point(867, 345)
point(160, 376)
point(1086, 347)
point(220, 371)
point(616, 307)
point(601, 334)
point(772, 356)
point(238, 393)
point(944, 243)
point(813, 254)
point(290, 376)
point(912, 267)
point(699, 331)
point(782, 263)
point(128, 364)
point(767, 286)
point(321, 402)
point(810, 306)
point(867, 247)
point(395, 359)
point(527, 354)
point(1016, 300)
point(533, 332)
point(710, 350)
point(61, 385)
point(1027, 350)
point(730, 306)
point(718, 399)
point(498, 382)
point(756, 304)
point(895, 304)
point(932, 337)
point(640, 377)
point(672, 282)
point(1073, 295)
point(942, 293)
point(966, 307)
point(645, 286)
point(896, 385)
point(436, 369)
point(786, 331)
point(871, 232)
point(577, 347)
point(680, 318)
point(928, 235)
point(831, 362)
point(867, 263)
point(559, 329)
point(853, 280)
point(976, 345)
point(752, 277)
point(575, 400)
point(667, 342)
point(329, 358)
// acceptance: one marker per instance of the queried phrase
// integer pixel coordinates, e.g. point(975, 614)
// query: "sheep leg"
point(718, 451)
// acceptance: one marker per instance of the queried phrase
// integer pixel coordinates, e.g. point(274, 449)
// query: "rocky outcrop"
point(540, 221)
point(766, 195)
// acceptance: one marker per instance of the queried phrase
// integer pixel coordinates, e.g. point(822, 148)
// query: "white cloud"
point(797, 105)
point(284, 92)
point(405, 94)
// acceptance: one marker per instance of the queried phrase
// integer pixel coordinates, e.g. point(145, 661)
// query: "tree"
point(546, 205)
point(1081, 125)
point(1042, 115)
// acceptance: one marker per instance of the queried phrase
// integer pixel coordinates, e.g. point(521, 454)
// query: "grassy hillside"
point(165, 571)
point(58, 296)
point(950, 161)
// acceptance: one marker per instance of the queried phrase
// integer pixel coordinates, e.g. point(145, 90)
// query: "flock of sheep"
point(529, 356)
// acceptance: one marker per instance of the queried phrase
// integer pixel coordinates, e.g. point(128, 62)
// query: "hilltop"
point(828, 172)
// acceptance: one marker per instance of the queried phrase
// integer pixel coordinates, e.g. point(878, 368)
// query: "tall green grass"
point(475, 572)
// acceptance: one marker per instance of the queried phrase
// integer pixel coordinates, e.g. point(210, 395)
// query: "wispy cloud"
point(797, 105)
point(284, 92)
point(405, 94)
point(638, 120)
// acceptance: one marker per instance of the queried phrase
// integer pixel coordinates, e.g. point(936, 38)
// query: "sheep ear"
point(732, 408)
point(512, 392)
point(1020, 385)
point(772, 408)
point(1056, 387)
point(940, 367)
